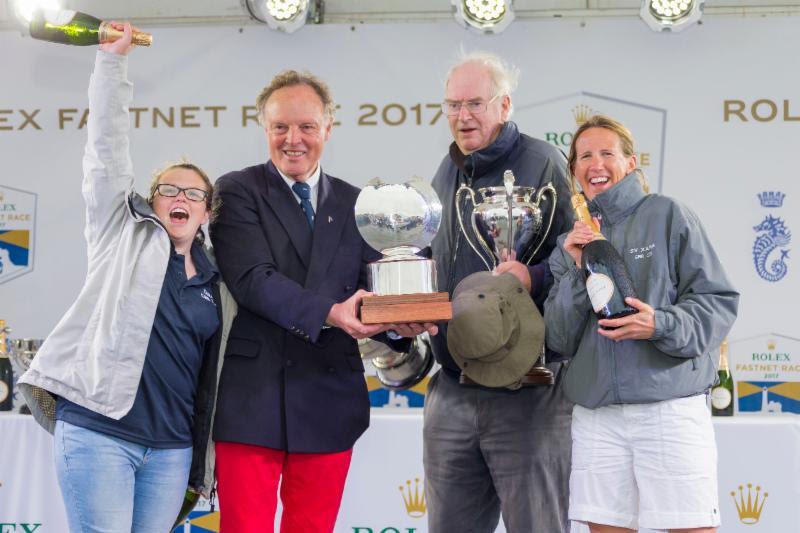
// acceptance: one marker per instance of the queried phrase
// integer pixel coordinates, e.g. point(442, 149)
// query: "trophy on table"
point(22, 353)
point(399, 220)
point(508, 224)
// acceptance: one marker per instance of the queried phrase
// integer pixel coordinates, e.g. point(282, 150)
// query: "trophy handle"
point(552, 190)
point(465, 189)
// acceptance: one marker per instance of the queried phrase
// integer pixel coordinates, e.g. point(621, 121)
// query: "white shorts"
point(645, 465)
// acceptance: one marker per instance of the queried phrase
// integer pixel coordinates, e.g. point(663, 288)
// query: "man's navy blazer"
point(287, 382)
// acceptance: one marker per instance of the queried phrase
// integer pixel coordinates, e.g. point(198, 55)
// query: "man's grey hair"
point(292, 78)
point(504, 75)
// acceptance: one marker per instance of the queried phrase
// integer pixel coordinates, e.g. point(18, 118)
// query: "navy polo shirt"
point(186, 319)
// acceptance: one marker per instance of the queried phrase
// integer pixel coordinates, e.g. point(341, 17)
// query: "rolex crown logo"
point(771, 198)
point(582, 112)
point(771, 345)
point(749, 508)
point(414, 500)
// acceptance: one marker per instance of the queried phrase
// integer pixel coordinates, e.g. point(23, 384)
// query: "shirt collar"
point(206, 269)
point(312, 181)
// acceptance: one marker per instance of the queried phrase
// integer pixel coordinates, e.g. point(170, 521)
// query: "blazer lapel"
point(285, 205)
point(331, 217)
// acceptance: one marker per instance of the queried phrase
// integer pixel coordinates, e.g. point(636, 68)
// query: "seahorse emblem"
point(773, 237)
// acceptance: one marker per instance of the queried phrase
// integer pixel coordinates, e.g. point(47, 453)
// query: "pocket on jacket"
point(242, 347)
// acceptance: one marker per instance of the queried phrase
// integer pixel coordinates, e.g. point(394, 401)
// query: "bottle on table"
point(722, 392)
point(6, 373)
point(607, 279)
point(73, 27)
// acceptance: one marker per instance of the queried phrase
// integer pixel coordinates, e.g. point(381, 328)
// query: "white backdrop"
point(670, 89)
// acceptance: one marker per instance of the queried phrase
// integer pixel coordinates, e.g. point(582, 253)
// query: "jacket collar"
point(140, 208)
point(331, 218)
point(284, 203)
point(482, 161)
point(617, 202)
point(315, 251)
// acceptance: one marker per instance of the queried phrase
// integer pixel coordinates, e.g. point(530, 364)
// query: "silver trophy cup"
point(22, 353)
point(399, 220)
point(508, 224)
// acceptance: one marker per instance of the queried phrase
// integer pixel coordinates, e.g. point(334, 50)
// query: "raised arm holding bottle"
point(127, 379)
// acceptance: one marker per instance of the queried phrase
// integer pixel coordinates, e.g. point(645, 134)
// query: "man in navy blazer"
point(292, 397)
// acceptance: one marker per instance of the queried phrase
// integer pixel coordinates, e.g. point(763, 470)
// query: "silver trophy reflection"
point(399, 220)
point(398, 370)
point(508, 224)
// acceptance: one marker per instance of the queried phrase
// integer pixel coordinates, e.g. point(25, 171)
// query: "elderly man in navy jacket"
point(492, 451)
point(292, 396)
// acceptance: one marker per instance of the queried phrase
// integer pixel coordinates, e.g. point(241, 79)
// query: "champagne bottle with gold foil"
point(6, 373)
point(607, 279)
point(73, 27)
point(722, 392)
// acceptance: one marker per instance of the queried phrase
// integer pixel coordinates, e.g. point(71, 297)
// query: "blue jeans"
point(110, 485)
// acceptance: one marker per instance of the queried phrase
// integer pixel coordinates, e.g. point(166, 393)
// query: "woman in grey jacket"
point(133, 364)
point(643, 444)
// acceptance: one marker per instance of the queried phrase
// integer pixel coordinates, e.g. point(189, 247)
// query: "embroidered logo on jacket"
point(206, 295)
point(642, 252)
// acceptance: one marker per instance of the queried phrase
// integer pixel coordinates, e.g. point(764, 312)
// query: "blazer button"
point(348, 287)
point(289, 362)
point(331, 369)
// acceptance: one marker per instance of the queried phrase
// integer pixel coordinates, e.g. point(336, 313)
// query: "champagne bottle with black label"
point(722, 392)
point(6, 373)
point(73, 27)
point(607, 279)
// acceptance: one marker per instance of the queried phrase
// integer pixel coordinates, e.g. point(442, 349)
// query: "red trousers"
point(247, 484)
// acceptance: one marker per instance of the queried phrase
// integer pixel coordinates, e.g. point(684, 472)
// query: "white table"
point(762, 451)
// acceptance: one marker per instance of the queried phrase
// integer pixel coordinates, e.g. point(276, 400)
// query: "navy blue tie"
point(303, 191)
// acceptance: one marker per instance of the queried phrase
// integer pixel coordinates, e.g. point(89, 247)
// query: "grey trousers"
point(489, 452)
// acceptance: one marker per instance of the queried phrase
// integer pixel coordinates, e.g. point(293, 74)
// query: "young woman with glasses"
point(127, 380)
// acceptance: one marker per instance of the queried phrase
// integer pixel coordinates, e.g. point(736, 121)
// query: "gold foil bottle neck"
point(582, 213)
point(109, 34)
point(3, 342)
point(142, 39)
point(723, 355)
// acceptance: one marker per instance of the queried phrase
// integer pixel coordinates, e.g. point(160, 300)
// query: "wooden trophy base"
point(405, 308)
point(539, 375)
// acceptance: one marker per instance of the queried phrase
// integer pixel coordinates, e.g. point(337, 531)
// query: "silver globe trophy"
point(508, 224)
point(399, 220)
